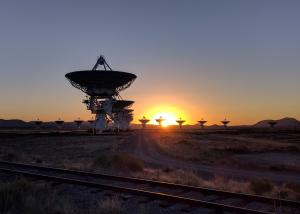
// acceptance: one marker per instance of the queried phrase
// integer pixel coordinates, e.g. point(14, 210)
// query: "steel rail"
point(220, 208)
point(227, 194)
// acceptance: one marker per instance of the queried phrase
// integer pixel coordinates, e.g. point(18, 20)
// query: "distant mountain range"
point(286, 122)
point(15, 123)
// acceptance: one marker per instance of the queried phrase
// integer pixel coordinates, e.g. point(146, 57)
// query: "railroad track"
point(220, 201)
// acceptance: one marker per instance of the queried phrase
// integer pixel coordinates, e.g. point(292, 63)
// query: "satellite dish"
point(78, 122)
point(144, 121)
point(91, 121)
point(272, 123)
point(225, 122)
point(202, 122)
point(159, 120)
point(120, 105)
point(102, 87)
point(59, 123)
point(37, 123)
point(180, 122)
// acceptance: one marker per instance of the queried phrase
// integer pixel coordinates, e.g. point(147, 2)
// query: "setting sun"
point(169, 114)
point(168, 118)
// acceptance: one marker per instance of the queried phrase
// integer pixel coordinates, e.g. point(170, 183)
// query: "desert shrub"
point(21, 196)
point(128, 162)
point(12, 194)
point(38, 160)
point(104, 161)
point(10, 157)
point(293, 186)
point(185, 142)
point(261, 186)
point(110, 205)
point(119, 161)
point(290, 191)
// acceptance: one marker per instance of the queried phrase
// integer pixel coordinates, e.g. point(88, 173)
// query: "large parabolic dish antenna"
point(121, 104)
point(102, 83)
point(102, 87)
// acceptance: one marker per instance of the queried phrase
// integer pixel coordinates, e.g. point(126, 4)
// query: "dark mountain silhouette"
point(286, 122)
point(14, 123)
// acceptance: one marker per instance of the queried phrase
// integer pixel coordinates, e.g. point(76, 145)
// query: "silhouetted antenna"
point(144, 121)
point(225, 122)
point(180, 122)
point(91, 121)
point(159, 120)
point(102, 91)
point(59, 123)
point(101, 61)
point(202, 122)
point(78, 122)
point(38, 123)
point(272, 123)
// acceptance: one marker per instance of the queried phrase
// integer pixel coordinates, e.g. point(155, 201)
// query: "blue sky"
point(236, 58)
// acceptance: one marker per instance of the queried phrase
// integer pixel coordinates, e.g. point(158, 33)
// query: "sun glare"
point(168, 118)
point(169, 114)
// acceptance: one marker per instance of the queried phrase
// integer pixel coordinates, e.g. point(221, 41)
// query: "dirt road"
point(144, 148)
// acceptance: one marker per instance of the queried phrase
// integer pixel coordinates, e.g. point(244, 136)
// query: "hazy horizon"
point(236, 59)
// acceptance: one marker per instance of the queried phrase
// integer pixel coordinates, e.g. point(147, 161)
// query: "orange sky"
point(194, 59)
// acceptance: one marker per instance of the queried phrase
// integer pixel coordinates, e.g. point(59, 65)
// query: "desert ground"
point(263, 162)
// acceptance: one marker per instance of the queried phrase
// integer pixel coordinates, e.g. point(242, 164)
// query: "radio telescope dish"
point(102, 87)
point(103, 83)
point(118, 105)
point(59, 123)
point(225, 122)
point(78, 122)
point(272, 123)
point(144, 121)
point(100, 82)
point(37, 123)
point(91, 121)
point(180, 122)
point(160, 120)
point(202, 122)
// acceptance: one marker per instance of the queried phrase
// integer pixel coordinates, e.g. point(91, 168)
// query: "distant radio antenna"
point(202, 123)
point(91, 121)
point(78, 122)
point(180, 122)
point(272, 123)
point(59, 123)
point(144, 121)
point(38, 123)
point(159, 120)
point(225, 122)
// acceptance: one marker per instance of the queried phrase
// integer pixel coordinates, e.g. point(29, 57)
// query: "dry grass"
point(257, 186)
point(111, 205)
point(261, 186)
point(22, 196)
point(119, 162)
point(215, 148)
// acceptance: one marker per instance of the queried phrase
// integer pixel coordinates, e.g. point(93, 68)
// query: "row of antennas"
point(180, 122)
point(60, 122)
point(201, 122)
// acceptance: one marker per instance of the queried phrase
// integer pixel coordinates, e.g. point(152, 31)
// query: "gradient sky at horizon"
point(238, 59)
